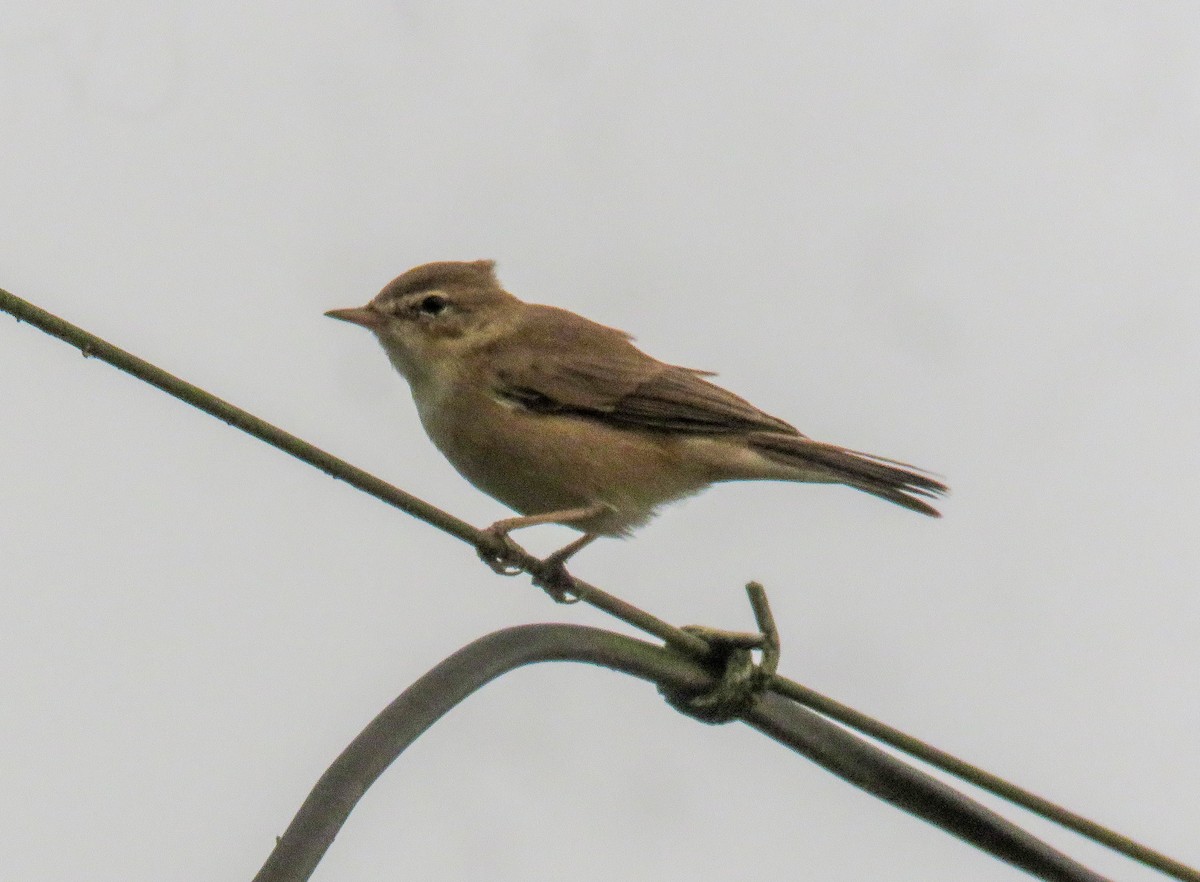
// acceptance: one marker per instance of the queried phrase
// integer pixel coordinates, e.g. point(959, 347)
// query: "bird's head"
point(427, 318)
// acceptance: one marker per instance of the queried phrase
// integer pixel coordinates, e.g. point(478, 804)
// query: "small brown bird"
point(566, 421)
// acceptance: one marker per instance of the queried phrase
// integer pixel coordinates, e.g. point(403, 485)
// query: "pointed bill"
point(358, 315)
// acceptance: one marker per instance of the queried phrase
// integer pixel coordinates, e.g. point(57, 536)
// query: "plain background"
point(962, 235)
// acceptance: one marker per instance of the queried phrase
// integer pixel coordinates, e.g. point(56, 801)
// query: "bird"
point(566, 421)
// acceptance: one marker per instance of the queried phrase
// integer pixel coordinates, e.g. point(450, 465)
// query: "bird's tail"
point(894, 481)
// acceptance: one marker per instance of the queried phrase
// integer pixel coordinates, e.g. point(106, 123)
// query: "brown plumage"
point(554, 414)
point(557, 362)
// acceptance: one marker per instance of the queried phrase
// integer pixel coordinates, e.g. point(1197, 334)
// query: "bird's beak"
point(358, 315)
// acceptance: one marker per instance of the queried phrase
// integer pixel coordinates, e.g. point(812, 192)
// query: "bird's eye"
point(433, 304)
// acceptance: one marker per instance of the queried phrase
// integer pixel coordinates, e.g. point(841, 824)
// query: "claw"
point(499, 552)
point(557, 582)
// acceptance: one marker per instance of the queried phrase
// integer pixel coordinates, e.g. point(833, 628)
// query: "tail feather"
point(888, 479)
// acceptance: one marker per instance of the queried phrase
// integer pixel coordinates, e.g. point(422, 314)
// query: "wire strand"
point(94, 347)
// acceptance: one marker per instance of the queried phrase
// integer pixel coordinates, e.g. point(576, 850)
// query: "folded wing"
point(568, 364)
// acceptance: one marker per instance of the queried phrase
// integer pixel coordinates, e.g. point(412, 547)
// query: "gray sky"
point(958, 235)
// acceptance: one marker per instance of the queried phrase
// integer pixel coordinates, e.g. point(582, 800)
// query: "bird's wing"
point(559, 362)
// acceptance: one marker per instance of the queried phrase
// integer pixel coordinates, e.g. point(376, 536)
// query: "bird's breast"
point(536, 462)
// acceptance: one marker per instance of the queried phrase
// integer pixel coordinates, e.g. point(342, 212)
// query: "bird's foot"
point(554, 579)
point(507, 558)
point(499, 552)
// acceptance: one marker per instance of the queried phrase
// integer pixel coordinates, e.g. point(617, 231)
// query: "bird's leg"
point(500, 553)
point(558, 558)
point(555, 580)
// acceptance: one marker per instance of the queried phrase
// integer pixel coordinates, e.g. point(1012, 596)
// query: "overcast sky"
point(961, 235)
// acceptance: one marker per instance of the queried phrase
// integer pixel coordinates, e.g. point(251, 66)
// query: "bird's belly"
point(538, 463)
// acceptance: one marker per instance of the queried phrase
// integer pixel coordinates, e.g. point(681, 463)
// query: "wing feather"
point(559, 362)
